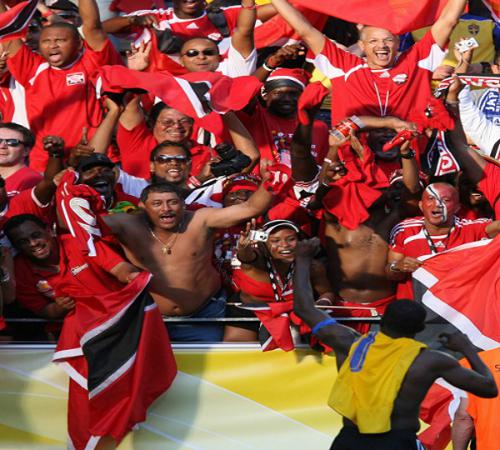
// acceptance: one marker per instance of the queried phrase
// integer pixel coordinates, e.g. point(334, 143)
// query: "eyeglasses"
point(11, 142)
point(206, 52)
point(170, 122)
point(167, 159)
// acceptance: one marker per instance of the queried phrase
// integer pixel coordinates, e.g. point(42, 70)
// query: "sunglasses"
point(11, 142)
point(206, 52)
point(166, 159)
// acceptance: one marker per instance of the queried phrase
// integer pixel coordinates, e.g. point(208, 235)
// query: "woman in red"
point(266, 275)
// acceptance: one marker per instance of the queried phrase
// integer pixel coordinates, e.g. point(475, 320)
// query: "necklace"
point(167, 247)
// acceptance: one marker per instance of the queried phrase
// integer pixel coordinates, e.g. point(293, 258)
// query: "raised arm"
point(339, 337)
point(242, 139)
point(132, 114)
point(45, 189)
point(93, 31)
point(242, 37)
point(442, 28)
point(104, 133)
point(314, 39)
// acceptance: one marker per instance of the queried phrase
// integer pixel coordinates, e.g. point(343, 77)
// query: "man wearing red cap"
point(273, 125)
point(385, 82)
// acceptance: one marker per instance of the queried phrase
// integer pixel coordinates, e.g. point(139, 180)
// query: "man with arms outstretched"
point(385, 375)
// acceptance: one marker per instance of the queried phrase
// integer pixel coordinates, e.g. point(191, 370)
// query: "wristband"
point(266, 67)
point(322, 324)
point(409, 155)
point(328, 160)
point(452, 102)
point(249, 7)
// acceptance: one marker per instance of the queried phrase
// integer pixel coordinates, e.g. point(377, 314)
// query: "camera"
point(466, 44)
point(257, 236)
point(232, 160)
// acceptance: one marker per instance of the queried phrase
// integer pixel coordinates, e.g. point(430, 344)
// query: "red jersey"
point(37, 287)
point(135, 148)
point(12, 101)
point(27, 203)
point(273, 136)
point(410, 239)
point(60, 101)
point(394, 91)
point(22, 179)
point(490, 187)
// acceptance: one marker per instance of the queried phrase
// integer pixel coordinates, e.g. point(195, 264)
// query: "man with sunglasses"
point(15, 143)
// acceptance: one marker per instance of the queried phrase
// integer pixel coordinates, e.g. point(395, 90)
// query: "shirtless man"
point(176, 246)
point(381, 427)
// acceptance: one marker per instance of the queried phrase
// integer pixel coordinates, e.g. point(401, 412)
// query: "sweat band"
point(323, 323)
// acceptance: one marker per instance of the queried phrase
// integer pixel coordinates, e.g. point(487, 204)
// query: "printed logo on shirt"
point(45, 288)
point(473, 29)
point(215, 36)
point(400, 78)
point(192, 26)
point(73, 79)
point(76, 270)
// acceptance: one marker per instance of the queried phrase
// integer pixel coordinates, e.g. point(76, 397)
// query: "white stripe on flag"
point(193, 98)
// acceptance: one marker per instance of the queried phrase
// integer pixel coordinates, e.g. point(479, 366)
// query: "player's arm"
point(314, 39)
point(13, 46)
point(339, 337)
point(478, 380)
point(242, 139)
point(92, 27)
point(442, 28)
point(242, 37)
point(463, 427)
point(493, 228)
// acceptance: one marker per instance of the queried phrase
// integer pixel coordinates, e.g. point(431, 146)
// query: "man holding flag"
point(385, 83)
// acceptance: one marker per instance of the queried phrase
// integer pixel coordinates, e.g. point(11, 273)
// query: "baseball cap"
point(96, 159)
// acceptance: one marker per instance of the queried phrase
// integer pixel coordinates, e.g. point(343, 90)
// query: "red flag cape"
point(466, 294)
point(14, 22)
point(494, 7)
point(398, 16)
point(202, 95)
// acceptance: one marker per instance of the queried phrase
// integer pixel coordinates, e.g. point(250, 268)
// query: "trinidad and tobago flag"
point(14, 22)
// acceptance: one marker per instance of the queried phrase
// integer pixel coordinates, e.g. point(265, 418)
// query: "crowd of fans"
point(403, 166)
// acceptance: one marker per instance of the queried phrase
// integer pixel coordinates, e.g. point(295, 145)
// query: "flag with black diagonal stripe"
point(14, 22)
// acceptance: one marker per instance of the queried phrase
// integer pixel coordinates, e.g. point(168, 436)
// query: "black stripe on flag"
point(21, 21)
point(111, 349)
point(202, 90)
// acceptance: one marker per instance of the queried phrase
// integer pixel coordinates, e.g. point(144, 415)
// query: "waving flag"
point(398, 16)
point(14, 22)
point(201, 95)
point(467, 294)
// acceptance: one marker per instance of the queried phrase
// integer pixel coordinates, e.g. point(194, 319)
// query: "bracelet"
point(393, 268)
point(266, 67)
point(254, 6)
point(323, 323)
point(452, 102)
point(328, 160)
point(56, 154)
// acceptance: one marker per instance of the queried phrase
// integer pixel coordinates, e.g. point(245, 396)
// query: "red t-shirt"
point(26, 203)
point(490, 187)
point(408, 238)
point(60, 101)
point(135, 148)
point(394, 91)
point(12, 101)
point(273, 135)
point(37, 287)
point(22, 179)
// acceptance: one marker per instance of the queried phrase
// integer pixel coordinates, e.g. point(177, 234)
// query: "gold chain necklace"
point(167, 247)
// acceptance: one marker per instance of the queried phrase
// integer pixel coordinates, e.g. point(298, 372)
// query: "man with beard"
point(176, 246)
point(439, 229)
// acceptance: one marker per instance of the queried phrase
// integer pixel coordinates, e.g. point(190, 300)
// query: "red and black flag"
point(14, 22)
point(467, 295)
point(201, 95)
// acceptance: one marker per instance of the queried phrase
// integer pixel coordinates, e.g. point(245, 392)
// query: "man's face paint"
point(439, 203)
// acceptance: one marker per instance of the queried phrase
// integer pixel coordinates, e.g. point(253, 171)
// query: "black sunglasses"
point(206, 52)
point(165, 159)
point(11, 142)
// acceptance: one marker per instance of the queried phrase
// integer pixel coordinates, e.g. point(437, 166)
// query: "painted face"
point(12, 149)
point(164, 209)
point(172, 125)
point(59, 46)
point(200, 55)
point(171, 164)
point(380, 47)
point(283, 101)
point(185, 9)
point(439, 203)
point(100, 178)
point(33, 241)
point(282, 243)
